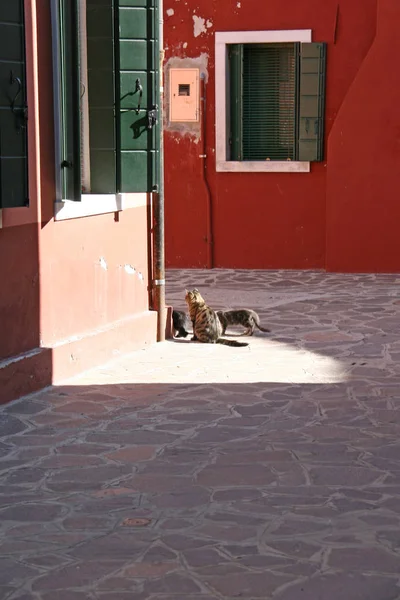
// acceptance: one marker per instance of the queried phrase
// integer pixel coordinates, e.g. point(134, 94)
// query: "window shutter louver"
point(311, 101)
point(269, 102)
point(236, 101)
point(65, 15)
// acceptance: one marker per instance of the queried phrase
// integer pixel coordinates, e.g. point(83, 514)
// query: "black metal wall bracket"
point(20, 112)
point(152, 116)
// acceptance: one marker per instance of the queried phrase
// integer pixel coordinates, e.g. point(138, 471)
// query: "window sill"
point(97, 204)
point(268, 166)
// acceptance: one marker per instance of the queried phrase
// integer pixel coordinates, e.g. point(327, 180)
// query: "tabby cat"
point(246, 317)
point(180, 322)
point(207, 327)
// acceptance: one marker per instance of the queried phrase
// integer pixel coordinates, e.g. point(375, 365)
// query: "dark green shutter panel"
point(268, 102)
point(311, 101)
point(137, 92)
point(263, 101)
point(13, 131)
point(236, 101)
point(67, 98)
point(101, 82)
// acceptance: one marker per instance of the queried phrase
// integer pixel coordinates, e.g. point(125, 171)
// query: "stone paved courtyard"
point(199, 472)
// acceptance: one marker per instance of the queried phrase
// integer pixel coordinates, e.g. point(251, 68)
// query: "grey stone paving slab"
point(203, 472)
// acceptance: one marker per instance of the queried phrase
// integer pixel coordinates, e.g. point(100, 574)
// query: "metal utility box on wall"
point(184, 96)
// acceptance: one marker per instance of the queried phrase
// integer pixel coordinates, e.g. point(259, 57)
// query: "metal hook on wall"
point(138, 88)
point(19, 111)
point(16, 80)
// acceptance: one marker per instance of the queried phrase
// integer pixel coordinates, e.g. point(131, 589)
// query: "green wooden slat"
point(236, 101)
point(134, 132)
point(70, 100)
point(136, 3)
point(103, 52)
point(128, 81)
point(135, 23)
point(11, 47)
point(101, 95)
point(312, 101)
point(135, 172)
point(13, 139)
point(101, 78)
point(11, 12)
point(102, 125)
point(102, 164)
point(135, 55)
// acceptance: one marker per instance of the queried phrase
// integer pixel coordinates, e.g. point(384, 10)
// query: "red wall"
point(330, 218)
point(363, 186)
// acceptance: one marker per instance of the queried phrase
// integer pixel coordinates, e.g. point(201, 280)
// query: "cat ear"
point(196, 290)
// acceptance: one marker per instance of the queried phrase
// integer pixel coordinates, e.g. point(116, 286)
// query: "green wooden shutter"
point(13, 133)
point(137, 63)
point(311, 101)
point(101, 70)
point(236, 101)
point(65, 16)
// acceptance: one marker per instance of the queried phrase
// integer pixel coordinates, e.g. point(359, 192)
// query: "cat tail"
point(262, 328)
point(225, 342)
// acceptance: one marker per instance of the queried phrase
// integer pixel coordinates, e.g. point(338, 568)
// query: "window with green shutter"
point(106, 96)
point(277, 93)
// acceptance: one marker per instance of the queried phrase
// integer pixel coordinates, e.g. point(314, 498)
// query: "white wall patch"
point(129, 269)
point(199, 26)
point(170, 12)
point(103, 263)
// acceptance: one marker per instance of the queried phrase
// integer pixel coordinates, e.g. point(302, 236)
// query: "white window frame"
point(222, 39)
point(98, 204)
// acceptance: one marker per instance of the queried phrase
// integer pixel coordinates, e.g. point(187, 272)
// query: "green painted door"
point(13, 135)
point(138, 125)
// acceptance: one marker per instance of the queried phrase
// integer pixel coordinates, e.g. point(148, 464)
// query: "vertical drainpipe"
point(158, 195)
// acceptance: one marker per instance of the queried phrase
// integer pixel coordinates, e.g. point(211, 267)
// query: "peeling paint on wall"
point(200, 25)
point(103, 263)
point(170, 12)
point(129, 269)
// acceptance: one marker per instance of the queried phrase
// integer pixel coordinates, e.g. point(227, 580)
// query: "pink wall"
point(285, 220)
point(70, 279)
